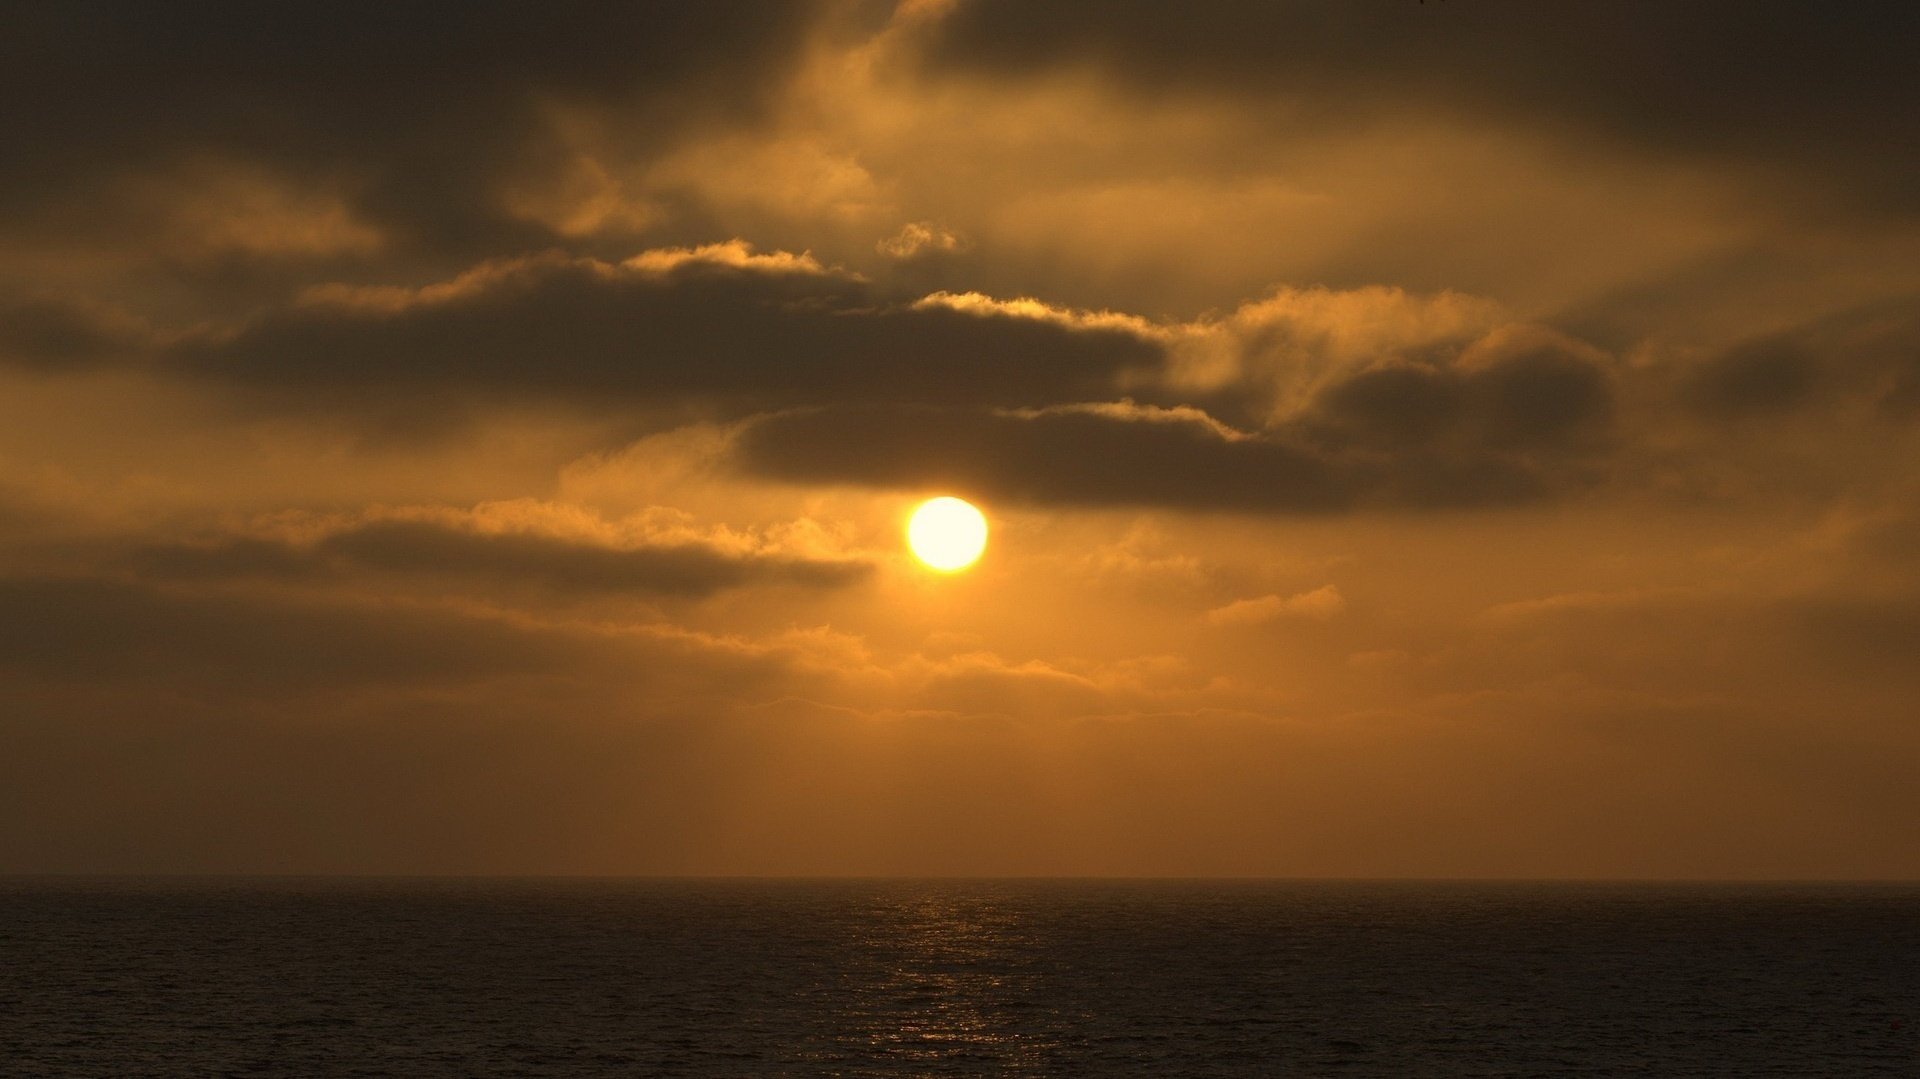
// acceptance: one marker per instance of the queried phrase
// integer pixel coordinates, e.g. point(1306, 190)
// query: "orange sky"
point(1455, 439)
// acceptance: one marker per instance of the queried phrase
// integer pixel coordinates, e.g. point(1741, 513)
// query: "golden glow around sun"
point(947, 533)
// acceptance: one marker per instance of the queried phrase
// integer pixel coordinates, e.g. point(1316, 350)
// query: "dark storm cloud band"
point(967, 391)
point(956, 389)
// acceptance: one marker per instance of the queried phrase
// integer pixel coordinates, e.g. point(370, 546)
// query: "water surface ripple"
point(936, 978)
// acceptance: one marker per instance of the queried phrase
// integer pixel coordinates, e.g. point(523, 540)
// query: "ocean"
point(740, 978)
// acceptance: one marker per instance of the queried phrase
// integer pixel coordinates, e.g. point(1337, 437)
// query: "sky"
point(1459, 439)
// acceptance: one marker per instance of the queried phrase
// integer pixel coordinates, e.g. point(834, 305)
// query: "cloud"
point(422, 548)
point(1515, 417)
point(1756, 378)
point(103, 631)
point(1281, 349)
point(1320, 604)
point(1512, 390)
point(1576, 605)
point(507, 547)
point(1869, 354)
point(406, 122)
point(1391, 370)
point(919, 239)
point(1066, 458)
point(717, 329)
point(1816, 92)
point(43, 333)
point(1368, 398)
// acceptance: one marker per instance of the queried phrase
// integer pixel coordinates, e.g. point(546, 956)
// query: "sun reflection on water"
point(946, 984)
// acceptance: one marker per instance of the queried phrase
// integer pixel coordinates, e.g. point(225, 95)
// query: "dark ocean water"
point(897, 978)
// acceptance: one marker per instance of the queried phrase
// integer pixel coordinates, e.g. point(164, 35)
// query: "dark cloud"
point(1400, 405)
point(1526, 419)
point(1071, 458)
point(88, 629)
point(1539, 399)
point(1121, 458)
point(687, 569)
point(724, 332)
point(1822, 89)
point(416, 111)
point(47, 334)
point(1870, 355)
point(443, 551)
point(1757, 378)
point(1530, 400)
point(228, 559)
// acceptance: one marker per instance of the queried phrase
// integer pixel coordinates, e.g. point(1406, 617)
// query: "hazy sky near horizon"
point(1471, 438)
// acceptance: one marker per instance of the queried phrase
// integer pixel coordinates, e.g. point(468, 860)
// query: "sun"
point(947, 533)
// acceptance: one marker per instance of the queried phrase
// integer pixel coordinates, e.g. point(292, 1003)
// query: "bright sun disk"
point(947, 533)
